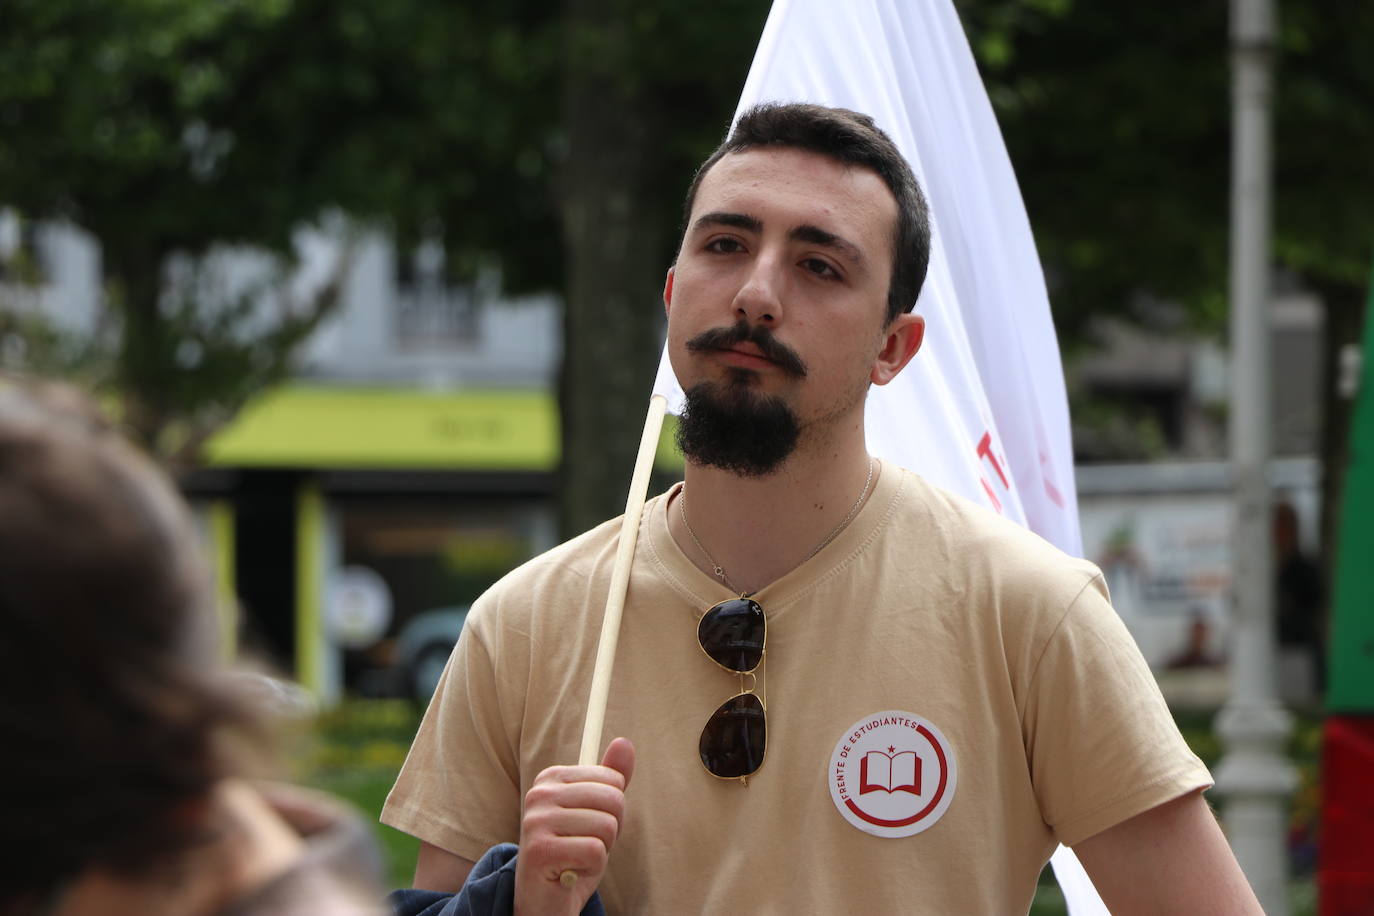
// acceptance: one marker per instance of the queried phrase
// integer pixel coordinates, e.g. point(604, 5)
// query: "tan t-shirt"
point(928, 626)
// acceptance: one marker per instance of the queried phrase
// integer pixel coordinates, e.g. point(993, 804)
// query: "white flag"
point(982, 409)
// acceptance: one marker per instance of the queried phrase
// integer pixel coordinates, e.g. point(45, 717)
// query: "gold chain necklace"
point(720, 570)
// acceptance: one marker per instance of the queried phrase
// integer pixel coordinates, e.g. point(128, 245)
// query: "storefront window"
point(435, 557)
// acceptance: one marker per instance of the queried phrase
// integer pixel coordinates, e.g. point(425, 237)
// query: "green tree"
point(173, 129)
point(554, 138)
point(1117, 118)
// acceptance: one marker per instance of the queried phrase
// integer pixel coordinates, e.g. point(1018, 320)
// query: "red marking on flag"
point(985, 451)
point(1050, 489)
point(987, 488)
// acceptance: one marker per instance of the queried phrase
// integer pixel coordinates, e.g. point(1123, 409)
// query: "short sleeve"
point(1101, 742)
point(459, 788)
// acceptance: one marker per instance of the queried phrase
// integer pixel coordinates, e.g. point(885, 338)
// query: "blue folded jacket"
point(488, 891)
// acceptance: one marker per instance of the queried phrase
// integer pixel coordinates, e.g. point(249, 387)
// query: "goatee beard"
point(732, 428)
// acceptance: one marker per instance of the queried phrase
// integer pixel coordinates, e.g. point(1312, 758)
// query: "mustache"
point(774, 350)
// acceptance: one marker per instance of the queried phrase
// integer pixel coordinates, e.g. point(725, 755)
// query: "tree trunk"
point(134, 284)
point(614, 250)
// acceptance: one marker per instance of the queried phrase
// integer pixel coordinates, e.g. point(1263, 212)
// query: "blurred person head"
point(1285, 528)
point(852, 139)
point(124, 734)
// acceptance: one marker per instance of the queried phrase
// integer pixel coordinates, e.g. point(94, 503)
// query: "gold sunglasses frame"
point(752, 690)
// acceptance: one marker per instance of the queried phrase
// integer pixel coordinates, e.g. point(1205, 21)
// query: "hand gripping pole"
point(615, 599)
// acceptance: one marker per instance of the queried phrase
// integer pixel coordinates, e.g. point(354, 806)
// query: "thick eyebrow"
point(818, 236)
point(736, 220)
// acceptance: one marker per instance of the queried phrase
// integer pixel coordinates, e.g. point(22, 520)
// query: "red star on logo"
point(891, 749)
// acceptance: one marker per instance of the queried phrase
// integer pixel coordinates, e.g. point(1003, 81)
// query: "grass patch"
point(355, 753)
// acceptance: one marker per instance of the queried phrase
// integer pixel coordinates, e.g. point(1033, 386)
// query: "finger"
point(553, 855)
point(620, 756)
point(553, 821)
point(597, 824)
point(597, 774)
point(596, 796)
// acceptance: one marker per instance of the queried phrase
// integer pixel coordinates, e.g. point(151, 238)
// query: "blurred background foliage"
point(555, 139)
point(552, 138)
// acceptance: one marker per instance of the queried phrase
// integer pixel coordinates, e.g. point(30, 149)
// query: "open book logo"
point(893, 774)
point(890, 772)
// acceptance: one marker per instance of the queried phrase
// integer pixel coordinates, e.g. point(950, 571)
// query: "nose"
point(759, 299)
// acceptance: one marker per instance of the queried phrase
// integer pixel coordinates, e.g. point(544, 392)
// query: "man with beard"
point(914, 700)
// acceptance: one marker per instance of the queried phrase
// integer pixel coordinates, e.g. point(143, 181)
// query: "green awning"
point(337, 427)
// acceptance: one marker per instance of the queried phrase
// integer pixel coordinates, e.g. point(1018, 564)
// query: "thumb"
point(620, 756)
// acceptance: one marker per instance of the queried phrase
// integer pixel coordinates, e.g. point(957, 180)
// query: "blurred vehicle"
point(423, 646)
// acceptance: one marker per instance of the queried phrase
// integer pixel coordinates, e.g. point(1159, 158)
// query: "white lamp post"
point(1254, 777)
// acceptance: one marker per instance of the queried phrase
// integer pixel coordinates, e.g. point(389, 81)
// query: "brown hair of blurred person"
point(123, 732)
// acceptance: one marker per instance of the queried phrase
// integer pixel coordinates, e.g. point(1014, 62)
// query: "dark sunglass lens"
point(732, 634)
point(733, 740)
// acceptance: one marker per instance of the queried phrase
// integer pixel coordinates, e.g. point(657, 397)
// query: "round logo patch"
point(892, 774)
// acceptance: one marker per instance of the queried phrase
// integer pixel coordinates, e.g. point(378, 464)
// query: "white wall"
point(513, 342)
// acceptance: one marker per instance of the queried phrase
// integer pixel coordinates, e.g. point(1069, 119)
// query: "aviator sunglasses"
point(732, 634)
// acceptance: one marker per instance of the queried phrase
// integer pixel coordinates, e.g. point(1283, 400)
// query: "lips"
point(748, 349)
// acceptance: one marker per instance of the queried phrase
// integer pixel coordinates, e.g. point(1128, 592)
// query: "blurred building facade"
point(1150, 410)
point(1155, 389)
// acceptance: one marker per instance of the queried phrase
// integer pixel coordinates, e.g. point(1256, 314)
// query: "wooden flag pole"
point(615, 600)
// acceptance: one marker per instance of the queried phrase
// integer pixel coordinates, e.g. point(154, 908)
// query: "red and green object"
point(1346, 868)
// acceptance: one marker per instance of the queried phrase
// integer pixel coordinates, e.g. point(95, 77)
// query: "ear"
point(668, 291)
point(901, 341)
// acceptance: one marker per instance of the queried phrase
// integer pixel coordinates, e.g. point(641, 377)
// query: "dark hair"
point(116, 716)
point(853, 139)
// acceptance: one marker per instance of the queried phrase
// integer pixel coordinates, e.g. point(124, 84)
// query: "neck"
point(758, 529)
